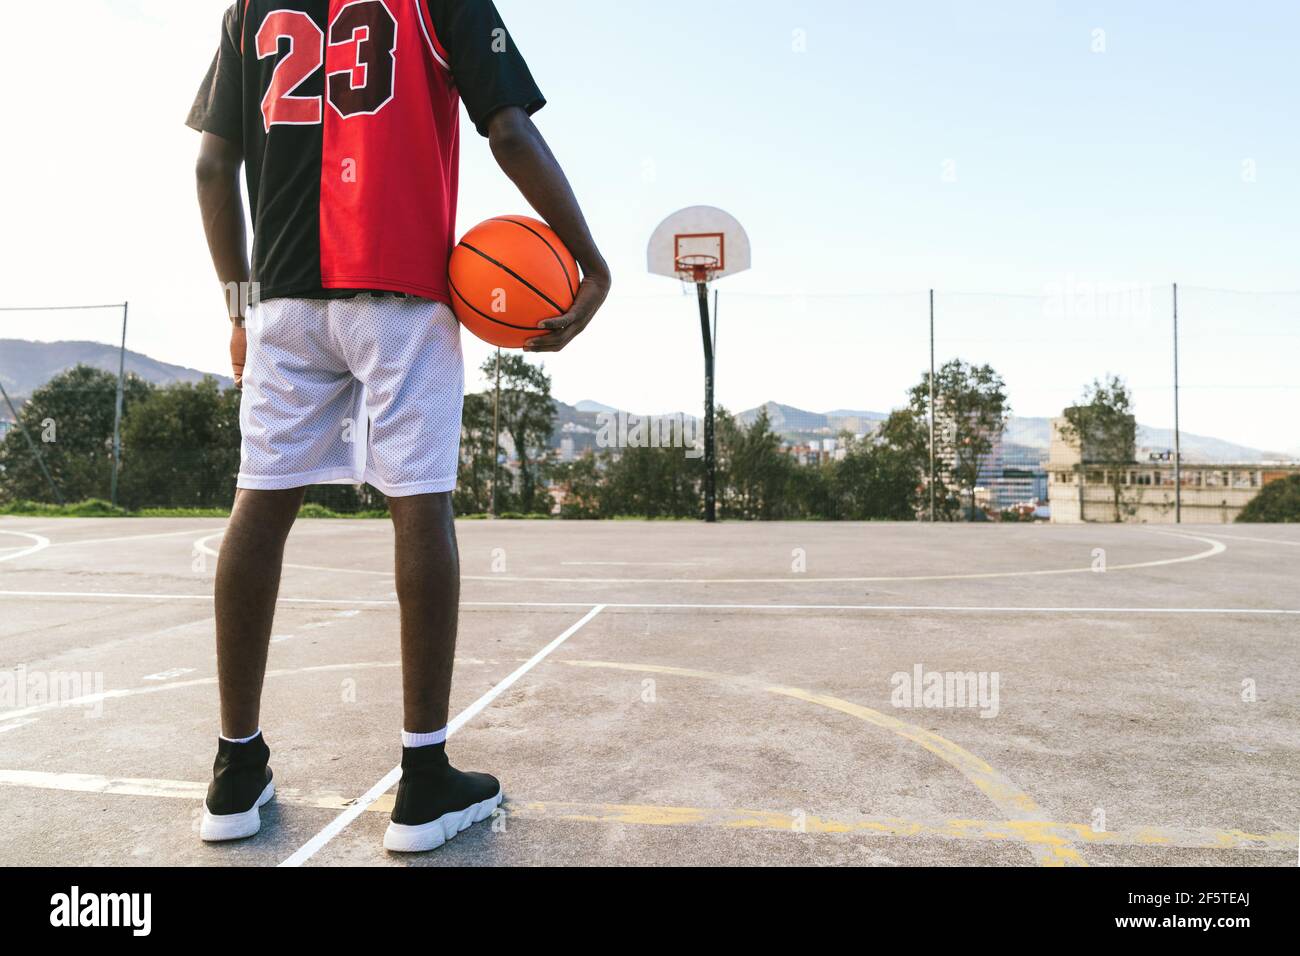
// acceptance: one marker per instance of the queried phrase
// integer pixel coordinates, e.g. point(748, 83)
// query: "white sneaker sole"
point(234, 826)
point(401, 838)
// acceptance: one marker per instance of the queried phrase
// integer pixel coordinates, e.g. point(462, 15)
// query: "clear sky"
point(1025, 150)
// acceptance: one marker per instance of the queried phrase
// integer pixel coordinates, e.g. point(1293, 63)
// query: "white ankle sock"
point(423, 740)
point(243, 740)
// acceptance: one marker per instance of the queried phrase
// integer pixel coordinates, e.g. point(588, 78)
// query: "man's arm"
point(523, 155)
point(217, 172)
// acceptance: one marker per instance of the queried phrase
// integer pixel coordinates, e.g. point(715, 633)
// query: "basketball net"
point(696, 269)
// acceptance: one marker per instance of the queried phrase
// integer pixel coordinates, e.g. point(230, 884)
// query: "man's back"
point(347, 112)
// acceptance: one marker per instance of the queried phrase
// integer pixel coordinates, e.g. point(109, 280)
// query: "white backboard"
point(695, 232)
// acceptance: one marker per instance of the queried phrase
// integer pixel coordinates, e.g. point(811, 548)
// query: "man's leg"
point(435, 801)
point(407, 354)
point(428, 590)
point(248, 582)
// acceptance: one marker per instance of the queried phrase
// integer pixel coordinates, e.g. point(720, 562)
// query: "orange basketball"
point(508, 275)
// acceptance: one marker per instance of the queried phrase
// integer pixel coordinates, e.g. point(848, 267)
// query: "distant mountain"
point(1030, 432)
point(1203, 448)
point(1024, 436)
point(786, 420)
point(1037, 433)
point(854, 413)
point(594, 407)
point(26, 366)
point(582, 422)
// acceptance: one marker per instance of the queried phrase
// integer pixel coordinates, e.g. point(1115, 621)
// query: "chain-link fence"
point(62, 400)
point(90, 424)
point(1008, 369)
point(1199, 454)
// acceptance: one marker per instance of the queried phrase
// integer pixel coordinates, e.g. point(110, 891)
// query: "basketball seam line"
point(568, 280)
point(472, 306)
point(511, 272)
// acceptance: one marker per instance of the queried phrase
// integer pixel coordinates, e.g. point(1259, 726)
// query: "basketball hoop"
point(696, 246)
point(697, 267)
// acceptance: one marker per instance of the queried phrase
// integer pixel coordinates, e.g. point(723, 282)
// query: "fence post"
point(117, 412)
point(1178, 435)
point(931, 406)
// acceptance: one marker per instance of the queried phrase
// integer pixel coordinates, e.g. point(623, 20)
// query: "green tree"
point(810, 492)
point(581, 484)
point(180, 447)
point(528, 417)
point(906, 440)
point(653, 483)
point(479, 455)
point(882, 476)
point(70, 418)
point(1278, 501)
point(971, 412)
point(754, 471)
point(1105, 429)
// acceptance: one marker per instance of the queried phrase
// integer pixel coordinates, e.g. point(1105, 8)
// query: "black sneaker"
point(435, 801)
point(241, 782)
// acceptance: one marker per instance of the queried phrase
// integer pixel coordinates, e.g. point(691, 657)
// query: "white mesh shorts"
point(346, 391)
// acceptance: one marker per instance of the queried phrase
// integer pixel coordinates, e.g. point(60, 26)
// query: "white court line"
point(202, 546)
point(130, 596)
point(73, 544)
point(635, 605)
point(1242, 537)
point(40, 545)
point(87, 700)
point(337, 825)
point(1215, 548)
point(124, 693)
point(923, 608)
point(172, 674)
point(634, 564)
point(129, 537)
point(139, 596)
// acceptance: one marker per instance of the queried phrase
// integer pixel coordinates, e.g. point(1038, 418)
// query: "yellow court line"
point(614, 814)
point(1010, 831)
point(1049, 847)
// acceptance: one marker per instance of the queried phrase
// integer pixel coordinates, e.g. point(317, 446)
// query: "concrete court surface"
point(676, 694)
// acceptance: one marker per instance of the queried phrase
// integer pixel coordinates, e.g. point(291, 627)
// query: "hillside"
point(1037, 433)
point(1024, 432)
point(25, 366)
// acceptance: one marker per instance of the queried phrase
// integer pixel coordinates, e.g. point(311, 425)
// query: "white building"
point(1211, 493)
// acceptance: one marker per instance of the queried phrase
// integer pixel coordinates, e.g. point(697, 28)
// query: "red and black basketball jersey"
point(348, 113)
